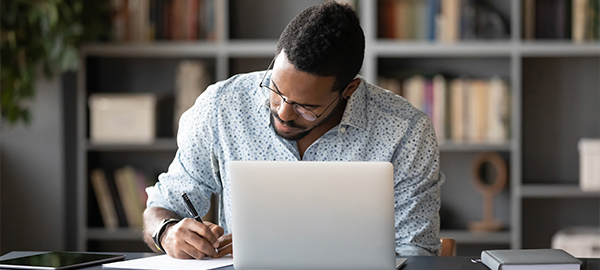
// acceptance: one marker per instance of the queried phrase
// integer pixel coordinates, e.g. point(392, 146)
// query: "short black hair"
point(325, 40)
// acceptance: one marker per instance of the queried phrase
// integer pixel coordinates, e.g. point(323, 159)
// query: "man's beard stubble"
point(274, 117)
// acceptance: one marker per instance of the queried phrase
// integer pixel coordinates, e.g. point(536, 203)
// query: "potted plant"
point(43, 35)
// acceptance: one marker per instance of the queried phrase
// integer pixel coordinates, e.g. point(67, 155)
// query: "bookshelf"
point(555, 80)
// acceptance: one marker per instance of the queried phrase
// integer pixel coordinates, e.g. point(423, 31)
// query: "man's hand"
point(193, 239)
point(225, 246)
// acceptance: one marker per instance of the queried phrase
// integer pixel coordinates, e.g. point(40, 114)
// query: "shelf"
point(115, 234)
point(382, 48)
point(164, 49)
point(559, 48)
point(390, 48)
point(246, 48)
point(448, 146)
point(555, 191)
point(153, 49)
point(161, 144)
point(467, 237)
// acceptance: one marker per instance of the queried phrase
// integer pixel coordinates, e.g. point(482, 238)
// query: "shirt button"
point(342, 129)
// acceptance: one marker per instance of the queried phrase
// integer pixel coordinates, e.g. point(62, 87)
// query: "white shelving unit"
point(514, 59)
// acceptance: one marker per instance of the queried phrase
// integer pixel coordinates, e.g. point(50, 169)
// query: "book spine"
point(105, 201)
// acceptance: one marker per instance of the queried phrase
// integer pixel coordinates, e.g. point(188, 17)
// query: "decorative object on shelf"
point(123, 118)
point(488, 187)
point(191, 80)
point(43, 34)
point(589, 158)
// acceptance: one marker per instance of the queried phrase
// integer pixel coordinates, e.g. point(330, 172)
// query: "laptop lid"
point(312, 215)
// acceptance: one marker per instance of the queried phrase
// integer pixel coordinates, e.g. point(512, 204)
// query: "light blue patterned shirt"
point(230, 121)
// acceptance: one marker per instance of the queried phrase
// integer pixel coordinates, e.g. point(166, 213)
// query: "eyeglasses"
point(277, 98)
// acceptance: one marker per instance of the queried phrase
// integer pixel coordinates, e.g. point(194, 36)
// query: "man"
point(308, 105)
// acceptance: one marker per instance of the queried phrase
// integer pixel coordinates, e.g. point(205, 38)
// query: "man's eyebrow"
point(301, 104)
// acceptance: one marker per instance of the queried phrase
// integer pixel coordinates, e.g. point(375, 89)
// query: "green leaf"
point(43, 33)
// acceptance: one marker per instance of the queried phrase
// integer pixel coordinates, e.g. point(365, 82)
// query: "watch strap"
point(160, 230)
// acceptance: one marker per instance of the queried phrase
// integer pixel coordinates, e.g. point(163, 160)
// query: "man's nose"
point(286, 112)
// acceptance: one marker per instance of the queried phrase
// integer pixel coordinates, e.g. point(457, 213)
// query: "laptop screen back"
point(312, 215)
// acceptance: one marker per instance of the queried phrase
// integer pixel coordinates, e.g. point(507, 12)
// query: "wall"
point(32, 185)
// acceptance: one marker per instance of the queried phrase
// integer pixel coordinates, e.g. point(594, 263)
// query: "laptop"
point(312, 215)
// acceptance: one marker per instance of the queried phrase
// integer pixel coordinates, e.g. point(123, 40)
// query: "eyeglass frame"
point(293, 104)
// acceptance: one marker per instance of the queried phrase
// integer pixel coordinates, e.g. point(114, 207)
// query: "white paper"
point(167, 262)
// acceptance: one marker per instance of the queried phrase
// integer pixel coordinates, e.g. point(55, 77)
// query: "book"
point(528, 19)
point(450, 21)
point(579, 19)
point(192, 79)
point(439, 107)
point(458, 93)
point(529, 259)
point(478, 111)
point(104, 198)
point(127, 185)
point(499, 110)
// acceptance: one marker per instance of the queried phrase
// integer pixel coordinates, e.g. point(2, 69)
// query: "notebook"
point(312, 215)
point(529, 259)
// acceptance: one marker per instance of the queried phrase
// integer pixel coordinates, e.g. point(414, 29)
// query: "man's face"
point(310, 91)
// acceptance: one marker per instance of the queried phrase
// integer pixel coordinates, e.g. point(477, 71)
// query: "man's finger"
point(216, 229)
point(226, 246)
point(224, 250)
point(195, 253)
point(202, 230)
point(202, 245)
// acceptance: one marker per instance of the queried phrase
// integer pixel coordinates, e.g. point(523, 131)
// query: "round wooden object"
point(501, 171)
point(487, 190)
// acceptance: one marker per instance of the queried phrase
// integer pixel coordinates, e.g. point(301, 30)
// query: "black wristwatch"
point(160, 230)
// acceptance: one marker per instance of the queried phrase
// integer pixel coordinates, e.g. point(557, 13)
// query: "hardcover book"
point(529, 259)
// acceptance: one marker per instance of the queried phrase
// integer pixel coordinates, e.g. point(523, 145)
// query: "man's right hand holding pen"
point(190, 238)
point(186, 238)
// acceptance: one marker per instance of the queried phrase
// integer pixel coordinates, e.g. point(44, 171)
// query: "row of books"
point(439, 20)
point(578, 20)
point(122, 198)
point(148, 20)
point(461, 109)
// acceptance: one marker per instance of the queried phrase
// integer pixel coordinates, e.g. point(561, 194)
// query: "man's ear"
point(350, 88)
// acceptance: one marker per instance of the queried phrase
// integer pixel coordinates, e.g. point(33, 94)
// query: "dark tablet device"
point(59, 260)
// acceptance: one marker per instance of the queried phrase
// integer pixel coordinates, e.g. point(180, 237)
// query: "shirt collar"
point(354, 114)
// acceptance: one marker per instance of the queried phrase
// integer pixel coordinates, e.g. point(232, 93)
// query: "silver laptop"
point(312, 215)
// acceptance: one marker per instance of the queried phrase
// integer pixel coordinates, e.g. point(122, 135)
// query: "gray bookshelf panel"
point(263, 19)
point(561, 104)
point(249, 64)
point(470, 67)
point(124, 74)
point(150, 162)
point(542, 218)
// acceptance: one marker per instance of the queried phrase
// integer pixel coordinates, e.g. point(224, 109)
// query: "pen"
point(192, 210)
point(190, 207)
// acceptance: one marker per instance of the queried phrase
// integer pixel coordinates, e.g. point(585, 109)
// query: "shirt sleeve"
point(194, 170)
point(417, 190)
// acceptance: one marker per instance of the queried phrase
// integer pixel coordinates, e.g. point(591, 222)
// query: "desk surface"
point(412, 263)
